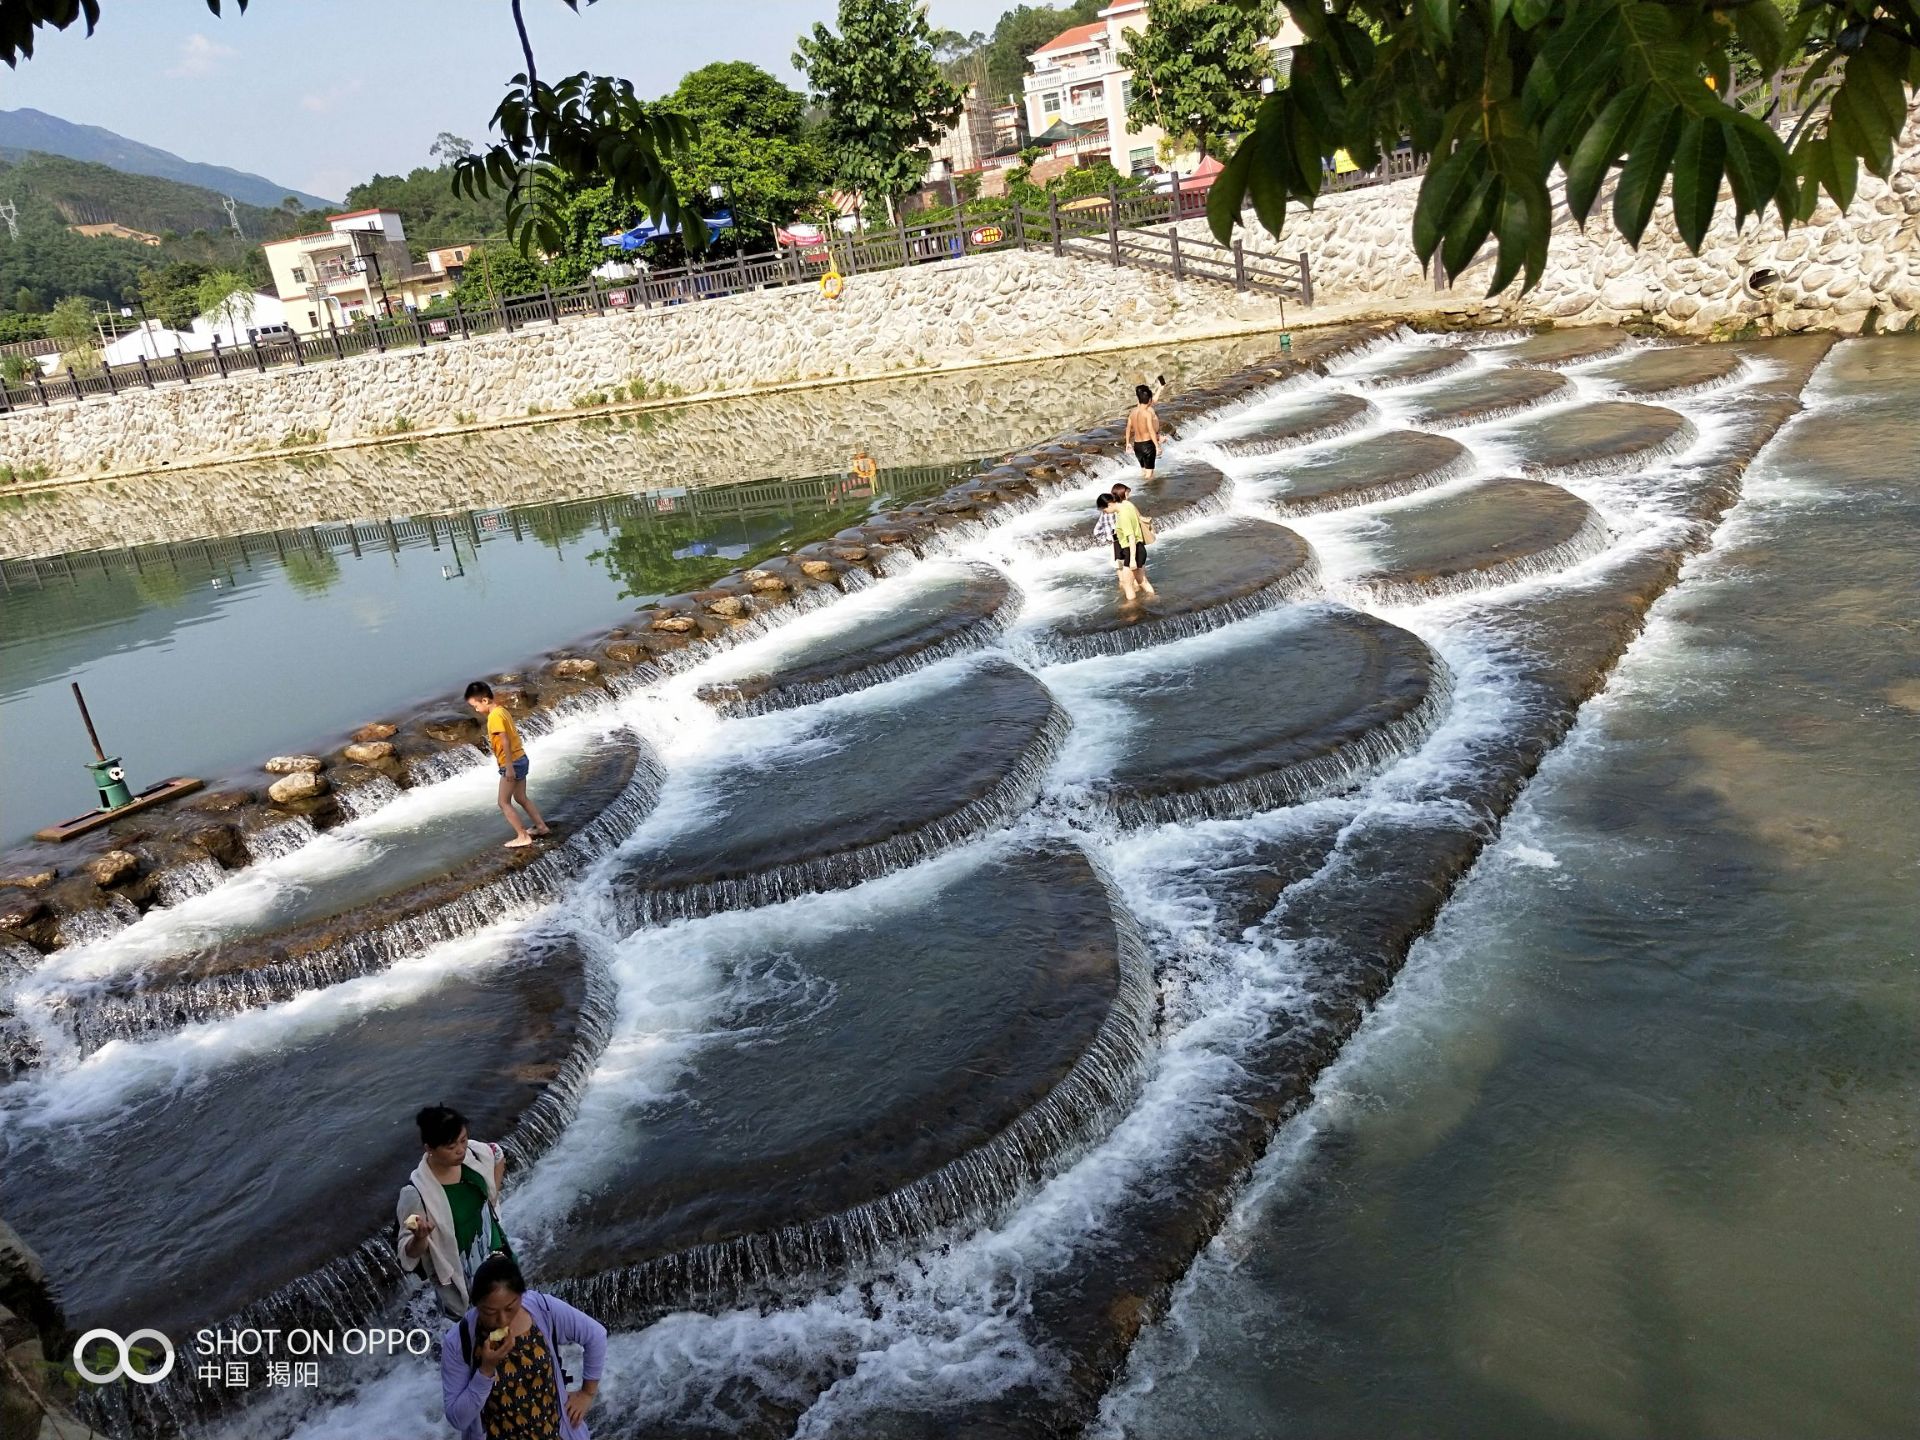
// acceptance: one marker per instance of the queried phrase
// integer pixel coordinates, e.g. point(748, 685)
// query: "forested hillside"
point(48, 260)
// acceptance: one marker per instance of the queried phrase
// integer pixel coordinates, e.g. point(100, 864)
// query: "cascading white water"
point(359, 801)
point(1006, 1213)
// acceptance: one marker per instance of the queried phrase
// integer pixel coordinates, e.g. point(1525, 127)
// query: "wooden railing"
point(1129, 230)
point(1782, 98)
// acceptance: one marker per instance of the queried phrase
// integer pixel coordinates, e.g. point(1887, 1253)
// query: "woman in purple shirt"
point(500, 1371)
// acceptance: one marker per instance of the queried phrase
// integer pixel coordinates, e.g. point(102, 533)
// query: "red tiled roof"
point(1073, 39)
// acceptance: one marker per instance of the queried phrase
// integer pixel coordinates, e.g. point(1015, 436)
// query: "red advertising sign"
point(619, 299)
point(986, 235)
point(436, 327)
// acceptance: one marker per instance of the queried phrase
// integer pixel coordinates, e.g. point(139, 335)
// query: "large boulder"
point(222, 842)
point(113, 868)
point(19, 909)
point(366, 752)
point(378, 730)
point(453, 729)
point(294, 765)
point(290, 789)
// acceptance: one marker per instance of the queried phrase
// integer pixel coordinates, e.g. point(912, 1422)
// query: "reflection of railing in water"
point(545, 523)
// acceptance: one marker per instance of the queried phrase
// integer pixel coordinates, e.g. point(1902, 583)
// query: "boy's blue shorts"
point(519, 769)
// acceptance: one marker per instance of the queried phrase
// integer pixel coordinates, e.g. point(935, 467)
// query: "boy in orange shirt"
point(503, 737)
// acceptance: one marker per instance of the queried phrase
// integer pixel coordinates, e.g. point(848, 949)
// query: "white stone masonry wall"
point(1827, 273)
point(980, 309)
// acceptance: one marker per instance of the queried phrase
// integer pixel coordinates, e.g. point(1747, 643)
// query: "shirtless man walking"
point(1143, 432)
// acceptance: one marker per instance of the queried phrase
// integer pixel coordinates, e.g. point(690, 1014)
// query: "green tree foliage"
point(584, 130)
point(751, 139)
point(590, 214)
point(496, 271)
point(70, 324)
point(223, 295)
point(1500, 93)
point(885, 97)
point(50, 259)
point(1196, 69)
point(435, 214)
point(170, 293)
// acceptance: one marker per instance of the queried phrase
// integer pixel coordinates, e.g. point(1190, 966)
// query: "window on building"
point(1050, 103)
point(1126, 92)
point(299, 277)
point(1088, 94)
point(1140, 162)
point(313, 320)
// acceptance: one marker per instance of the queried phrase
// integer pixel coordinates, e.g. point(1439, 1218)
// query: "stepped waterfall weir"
point(910, 984)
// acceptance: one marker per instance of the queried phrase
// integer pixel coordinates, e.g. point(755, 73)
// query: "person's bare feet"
point(543, 830)
point(520, 844)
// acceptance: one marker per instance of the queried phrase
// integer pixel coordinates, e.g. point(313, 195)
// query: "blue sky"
point(320, 94)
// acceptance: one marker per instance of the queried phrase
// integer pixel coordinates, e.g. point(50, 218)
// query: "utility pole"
point(10, 213)
point(233, 219)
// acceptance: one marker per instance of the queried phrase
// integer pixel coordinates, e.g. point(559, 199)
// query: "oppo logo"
point(125, 1349)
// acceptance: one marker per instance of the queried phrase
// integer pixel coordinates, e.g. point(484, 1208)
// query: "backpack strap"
point(466, 1344)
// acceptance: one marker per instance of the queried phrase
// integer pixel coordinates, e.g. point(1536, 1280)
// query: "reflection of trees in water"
point(656, 555)
point(163, 586)
point(557, 525)
point(651, 554)
point(312, 572)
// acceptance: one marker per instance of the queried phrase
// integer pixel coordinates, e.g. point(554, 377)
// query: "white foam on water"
point(945, 1325)
point(101, 1082)
point(207, 918)
point(1669, 663)
point(688, 984)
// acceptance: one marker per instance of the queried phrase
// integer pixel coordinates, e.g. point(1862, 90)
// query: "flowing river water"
point(866, 1048)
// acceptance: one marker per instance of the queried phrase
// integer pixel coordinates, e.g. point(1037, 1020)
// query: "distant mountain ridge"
point(27, 129)
point(81, 192)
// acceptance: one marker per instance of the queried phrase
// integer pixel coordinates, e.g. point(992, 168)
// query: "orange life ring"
point(831, 284)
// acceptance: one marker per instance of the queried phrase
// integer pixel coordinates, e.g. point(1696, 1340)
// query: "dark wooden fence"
point(1125, 230)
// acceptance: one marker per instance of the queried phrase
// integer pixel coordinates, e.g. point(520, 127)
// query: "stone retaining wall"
point(981, 309)
point(1828, 273)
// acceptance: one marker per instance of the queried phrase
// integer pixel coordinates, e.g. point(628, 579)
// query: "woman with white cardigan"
point(449, 1210)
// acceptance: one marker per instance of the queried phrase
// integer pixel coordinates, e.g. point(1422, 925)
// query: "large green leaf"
point(1605, 142)
point(1471, 223)
point(1698, 162)
point(1763, 31)
point(1228, 192)
point(1648, 160)
point(1755, 161)
point(1576, 59)
point(1444, 189)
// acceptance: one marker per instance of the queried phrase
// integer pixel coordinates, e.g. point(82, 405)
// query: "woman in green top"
point(449, 1211)
point(1130, 544)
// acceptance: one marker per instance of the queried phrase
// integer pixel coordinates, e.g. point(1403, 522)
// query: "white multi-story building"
point(358, 266)
point(1078, 89)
